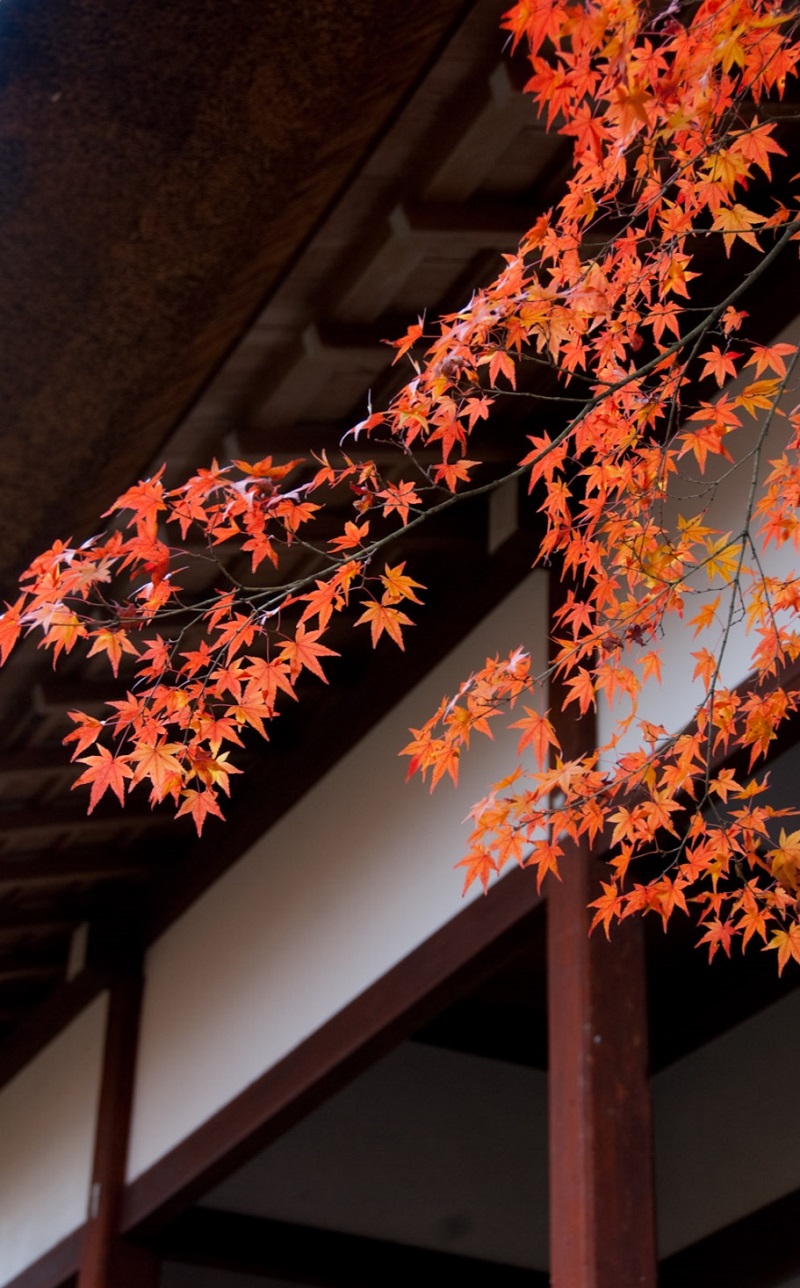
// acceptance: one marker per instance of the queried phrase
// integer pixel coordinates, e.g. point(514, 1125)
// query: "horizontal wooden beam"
point(419, 231)
point(481, 222)
point(37, 761)
point(36, 926)
point(325, 1258)
point(67, 816)
point(29, 974)
point(253, 441)
point(61, 696)
point(62, 870)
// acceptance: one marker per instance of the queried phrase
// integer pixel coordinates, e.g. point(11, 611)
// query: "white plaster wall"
point(429, 1147)
point(357, 874)
point(673, 702)
point(726, 1128)
point(47, 1126)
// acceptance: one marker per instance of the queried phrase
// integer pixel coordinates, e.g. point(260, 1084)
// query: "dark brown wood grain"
point(100, 1250)
point(602, 1201)
point(162, 165)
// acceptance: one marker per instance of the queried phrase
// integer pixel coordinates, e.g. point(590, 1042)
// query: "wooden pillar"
point(602, 1207)
point(106, 1260)
point(602, 1211)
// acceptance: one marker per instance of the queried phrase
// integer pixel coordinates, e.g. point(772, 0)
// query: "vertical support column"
point(602, 1207)
point(106, 1261)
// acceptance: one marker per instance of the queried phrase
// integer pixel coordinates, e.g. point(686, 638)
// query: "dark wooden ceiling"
point(161, 165)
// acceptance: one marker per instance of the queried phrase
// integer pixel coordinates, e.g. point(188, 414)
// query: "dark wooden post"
point(106, 1260)
point(602, 1207)
point(602, 1211)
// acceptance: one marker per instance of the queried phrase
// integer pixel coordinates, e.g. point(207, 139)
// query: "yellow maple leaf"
point(737, 221)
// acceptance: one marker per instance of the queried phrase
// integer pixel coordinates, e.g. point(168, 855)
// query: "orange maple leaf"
point(770, 357)
point(86, 735)
point(105, 771)
point(158, 762)
point(10, 627)
point(382, 617)
point(538, 733)
point(265, 469)
point(113, 643)
point(304, 651)
point(581, 690)
point(354, 534)
point(398, 585)
point(609, 906)
point(787, 944)
point(199, 804)
point(399, 497)
point(145, 500)
point(718, 364)
point(737, 221)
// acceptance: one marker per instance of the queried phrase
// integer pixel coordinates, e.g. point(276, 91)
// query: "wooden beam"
point(49, 817)
point(35, 926)
point(480, 221)
point(60, 696)
point(354, 360)
point(29, 974)
point(36, 762)
point(417, 230)
point(62, 870)
point(253, 440)
point(102, 1260)
point(325, 1258)
point(602, 1206)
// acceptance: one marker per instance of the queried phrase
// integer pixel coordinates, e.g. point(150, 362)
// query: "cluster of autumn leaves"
point(610, 308)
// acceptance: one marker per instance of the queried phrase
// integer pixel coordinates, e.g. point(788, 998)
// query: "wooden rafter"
point(70, 868)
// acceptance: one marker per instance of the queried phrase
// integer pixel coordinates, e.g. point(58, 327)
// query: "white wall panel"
point(47, 1127)
point(428, 1147)
point(727, 1134)
point(352, 878)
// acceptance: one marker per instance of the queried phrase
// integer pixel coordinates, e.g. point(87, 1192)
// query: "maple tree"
point(614, 321)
